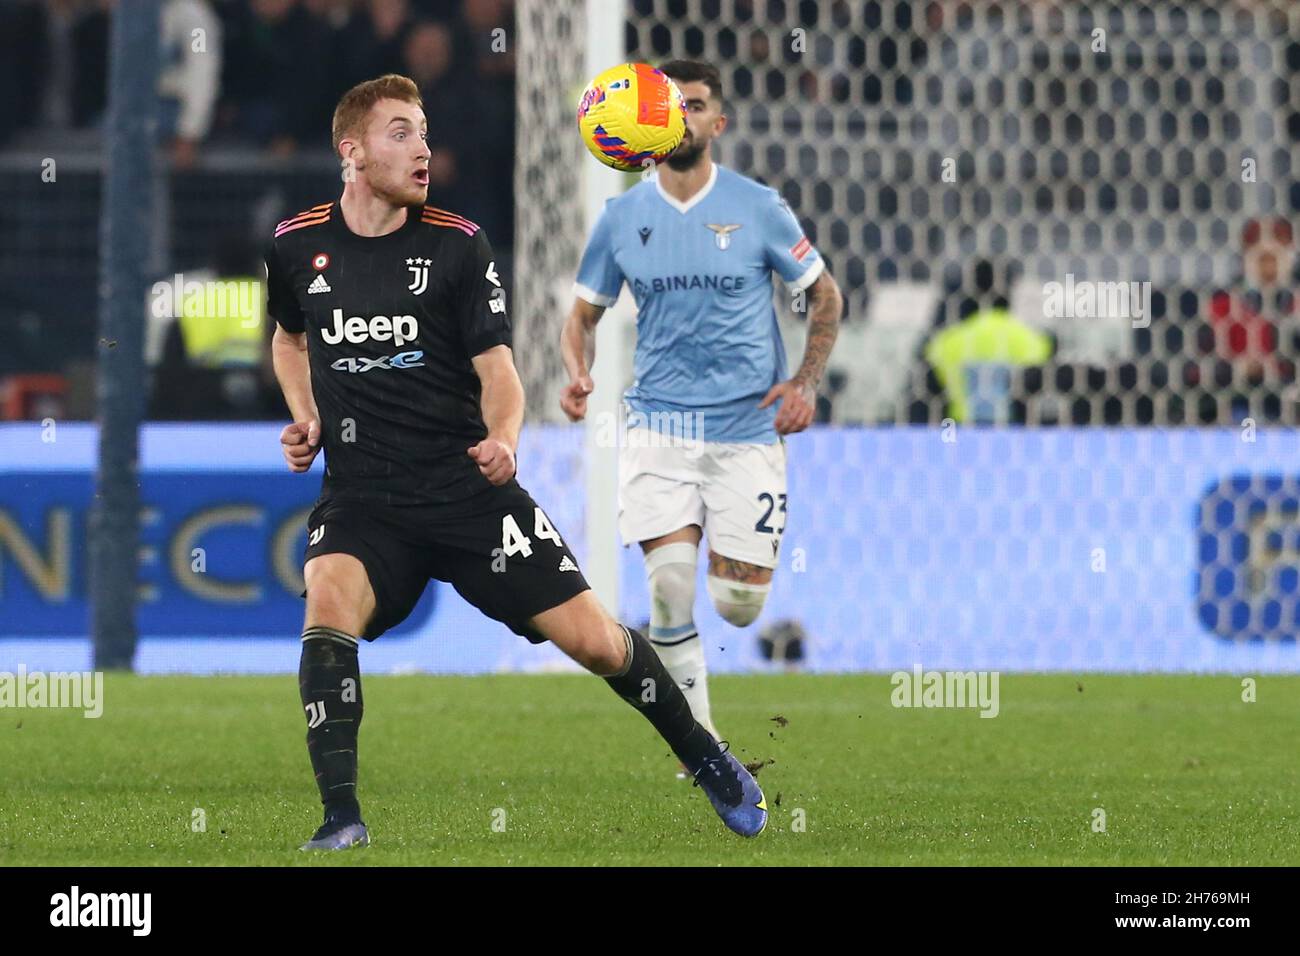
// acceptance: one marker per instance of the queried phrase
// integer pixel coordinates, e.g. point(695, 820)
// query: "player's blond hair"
point(354, 108)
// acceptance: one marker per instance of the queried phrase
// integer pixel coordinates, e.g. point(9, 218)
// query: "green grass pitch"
point(554, 769)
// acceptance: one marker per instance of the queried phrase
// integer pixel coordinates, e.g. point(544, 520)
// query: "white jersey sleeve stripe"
point(810, 275)
point(595, 298)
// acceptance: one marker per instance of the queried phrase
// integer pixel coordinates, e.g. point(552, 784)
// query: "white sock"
point(685, 661)
point(670, 570)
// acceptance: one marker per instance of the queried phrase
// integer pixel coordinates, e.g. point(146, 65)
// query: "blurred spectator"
point(212, 361)
point(1248, 322)
point(191, 75)
point(428, 59)
point(54, 58)
point(973, 361)
point(492, 52)
point(1244, 317)
point(335, 13)
point(979, 354)
point(467, 133)
point(278, 76)
point(979, 284)
point(54, 64)
point(487, 34)
point(374, 39)
point(337, 17)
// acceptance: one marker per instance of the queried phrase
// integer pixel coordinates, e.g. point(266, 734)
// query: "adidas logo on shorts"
point(566, 564)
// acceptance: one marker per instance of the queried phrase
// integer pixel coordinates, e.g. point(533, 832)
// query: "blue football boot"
point(734, 793)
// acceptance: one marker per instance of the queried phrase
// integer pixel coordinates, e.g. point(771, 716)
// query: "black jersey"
point(392, 323)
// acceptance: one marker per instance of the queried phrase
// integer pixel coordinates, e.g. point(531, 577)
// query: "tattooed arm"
point(799, 395)
point(826, 304)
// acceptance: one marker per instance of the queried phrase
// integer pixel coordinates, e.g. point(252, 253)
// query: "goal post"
point(125, 236)
point(604, 48)
point(560, 191)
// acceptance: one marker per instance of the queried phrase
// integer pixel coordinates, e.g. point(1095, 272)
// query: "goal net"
point(1041, 214)
point(946, 156)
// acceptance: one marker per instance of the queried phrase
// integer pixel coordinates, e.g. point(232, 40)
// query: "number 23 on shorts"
point(770, 502)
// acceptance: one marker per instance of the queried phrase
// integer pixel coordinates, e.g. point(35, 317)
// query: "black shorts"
point(497, 549)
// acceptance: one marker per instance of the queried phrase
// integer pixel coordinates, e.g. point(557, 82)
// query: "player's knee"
point(329, 611)
point(737, 602)
point(604, 652)
point(584, 630)
point(338, 593)
point(670, 572)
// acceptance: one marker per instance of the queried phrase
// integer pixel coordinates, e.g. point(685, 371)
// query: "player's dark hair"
point(355, 105)
point(695, 71)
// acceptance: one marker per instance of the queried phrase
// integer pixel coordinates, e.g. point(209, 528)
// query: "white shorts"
point(734, 491)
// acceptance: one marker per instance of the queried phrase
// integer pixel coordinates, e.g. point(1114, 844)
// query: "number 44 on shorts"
point(514, 541)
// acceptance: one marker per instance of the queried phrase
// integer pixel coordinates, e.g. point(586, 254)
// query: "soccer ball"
point(632, 116)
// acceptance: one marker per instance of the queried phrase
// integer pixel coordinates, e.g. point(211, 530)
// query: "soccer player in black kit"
point(393, 348)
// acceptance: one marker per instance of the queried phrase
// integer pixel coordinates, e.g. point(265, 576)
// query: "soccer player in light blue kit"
point(710, 401)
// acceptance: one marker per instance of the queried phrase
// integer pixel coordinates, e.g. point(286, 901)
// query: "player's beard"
point(418, 194)
point(402, 192)
point(687, 155)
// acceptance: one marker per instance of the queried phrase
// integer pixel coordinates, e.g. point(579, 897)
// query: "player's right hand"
point(573, 397)
point(300, 443)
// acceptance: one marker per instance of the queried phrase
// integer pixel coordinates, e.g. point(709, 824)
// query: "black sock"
point(329, 680)
point(646, 684)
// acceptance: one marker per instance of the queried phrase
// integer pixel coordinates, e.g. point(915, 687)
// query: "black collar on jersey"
point(342, 232)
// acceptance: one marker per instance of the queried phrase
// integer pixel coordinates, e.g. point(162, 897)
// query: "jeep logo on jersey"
point(419, 268)
point(400, 329)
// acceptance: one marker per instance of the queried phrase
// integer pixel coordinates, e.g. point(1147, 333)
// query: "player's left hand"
point(798, 403)
point(495, 460)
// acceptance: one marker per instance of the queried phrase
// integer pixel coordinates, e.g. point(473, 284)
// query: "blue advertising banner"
point(1249, 580)
point(223, 529)
point(220, 553)
point(978, 548)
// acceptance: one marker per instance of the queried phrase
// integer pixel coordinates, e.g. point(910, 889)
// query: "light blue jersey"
point(701, 274)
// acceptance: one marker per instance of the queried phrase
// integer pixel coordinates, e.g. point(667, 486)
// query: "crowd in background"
point(243, 84)
point(1213, 356)
point(267, 74)
point(261, 77)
